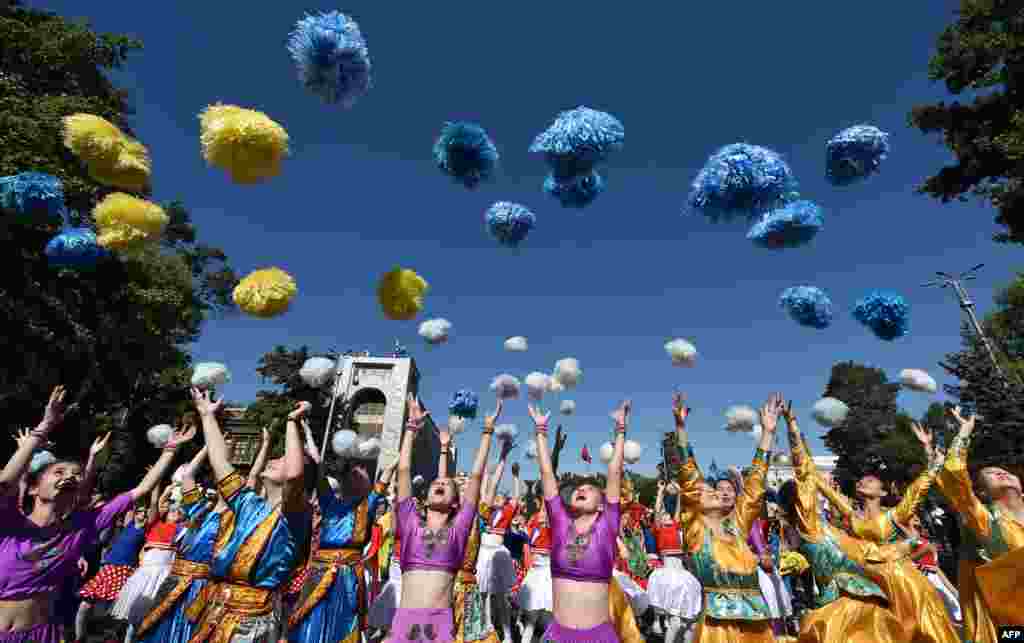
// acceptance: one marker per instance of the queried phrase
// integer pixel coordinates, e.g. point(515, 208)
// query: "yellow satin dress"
point(914, 600)
point(991, 570)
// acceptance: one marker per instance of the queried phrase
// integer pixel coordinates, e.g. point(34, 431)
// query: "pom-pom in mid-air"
point(579, 139)
point(918, 380)
point(568, 407)
point(265, 293)
point(886, 314)
point(75, 248)
point(464, 152)
point(516, 344)
point(537, 384)
point(606, 452)
point(807, 306)
point(740, 419)
point(509, 223)
point(555, 386)
point(791, 226)
point(464, 404)
point(435, 331)
point(576, 191)
point(318, 371)
point(131, 170)
point(95, 140)
point(32, 196)
point(456, 424)
point(160, 435)
point(331, 57)
point(830, 412)
point(632, 451)
point(681, 352)
point(245, 143)
point(567, 371)
point(506, 387)
point(854, 154)
point(343, 443)
point(531, 450)
point(126, 223)
point(208, 375)
point(367, 449)
point(742, 180)
point(506, 432)
point(401, 294)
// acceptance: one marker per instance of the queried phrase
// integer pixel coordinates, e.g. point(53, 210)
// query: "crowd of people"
point(288, 553)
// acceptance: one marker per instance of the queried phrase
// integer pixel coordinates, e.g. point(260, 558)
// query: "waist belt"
point(496, 532)
point(327, 564)
point(734, 590)
point(467, 577)
point(184, 572)
point(182, 567)
point(672, 552)
point(344, 556)
point(227, 607)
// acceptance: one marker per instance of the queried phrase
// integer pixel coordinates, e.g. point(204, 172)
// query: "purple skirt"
point(38, 634)
point(420, 626)
point(603, 633)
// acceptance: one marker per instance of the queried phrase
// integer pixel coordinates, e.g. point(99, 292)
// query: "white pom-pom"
point(567, 371)
point(740, 419)
point(568, 407)
point(368, 449)
point(516, 344)
point(333, 482)
point(41, 460)
point(456, 424)
point(830, 412)
point(418, 481)
point(317, 371)
point(506, 432)
point(606, 452)
point(160, 435)
point(682, 352)
point(343, 441)
point(178, 476)
point(506, 387)
point(210, 375)
point(782, 458)
point(531, 450)
point(756, 432)
point(918, 380)
point(631, 452)
point(435, 331)
point(554, 386)
point(537, 385)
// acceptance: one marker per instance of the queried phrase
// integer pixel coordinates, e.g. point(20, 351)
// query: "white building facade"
point(781, 469)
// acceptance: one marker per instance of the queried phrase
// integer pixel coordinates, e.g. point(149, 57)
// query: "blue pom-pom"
point(464, 152)
point(464, 404)
point(331, 56)
point(32, 195)
point(886, 314)
point(75, 248)
point(808, 306)
point(575, 191)
point(509, 223)
point(579, 139)
point(791, 226)
point(742, 180)
point(854, 154)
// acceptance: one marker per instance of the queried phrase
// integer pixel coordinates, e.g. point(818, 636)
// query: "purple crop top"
point(586, 559)
point(423, 549)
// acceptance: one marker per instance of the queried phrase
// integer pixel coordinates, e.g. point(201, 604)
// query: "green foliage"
point(982, 52)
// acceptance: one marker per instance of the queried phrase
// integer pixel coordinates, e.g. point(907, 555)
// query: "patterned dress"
point(468, 613)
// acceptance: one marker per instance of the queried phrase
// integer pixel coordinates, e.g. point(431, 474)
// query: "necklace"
point(578, 545)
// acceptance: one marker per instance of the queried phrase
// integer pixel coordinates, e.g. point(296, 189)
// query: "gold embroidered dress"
point(470, 624)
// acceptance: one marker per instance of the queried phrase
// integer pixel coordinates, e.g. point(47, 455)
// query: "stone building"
point(781, 469)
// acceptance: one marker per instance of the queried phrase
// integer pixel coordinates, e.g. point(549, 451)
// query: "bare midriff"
point(580, 605)
point(427, 589)
point(24, 614)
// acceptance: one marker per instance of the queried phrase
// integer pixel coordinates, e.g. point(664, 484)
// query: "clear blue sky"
point(608, 285)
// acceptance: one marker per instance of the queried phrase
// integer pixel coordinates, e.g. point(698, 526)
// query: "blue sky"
point(608, 285)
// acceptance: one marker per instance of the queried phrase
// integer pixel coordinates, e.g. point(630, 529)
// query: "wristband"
point(487, 431)
point(541, 427)
point(41, 434)
point(414, 426)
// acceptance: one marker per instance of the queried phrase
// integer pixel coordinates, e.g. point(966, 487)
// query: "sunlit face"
point(274, 471)
point(665, 519)
point(58, 481)
point(998, 481)
point(586, 499)
point(174, 516)
point(710, 499)
point(870, 486)
point(727, 493)
point(915, 523)
point(442, 494)
point(518, 523)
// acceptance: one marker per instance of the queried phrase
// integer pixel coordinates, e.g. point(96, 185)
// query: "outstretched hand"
point(923, 434)
point(770, 414)
point(55, 408)
point(302, 409)
point(180, 437)
point(205, 405)
point(679, 409)
point(539, 419)
point(492, 418)
point(966, 423)
point(621, 414)
point(99, 444)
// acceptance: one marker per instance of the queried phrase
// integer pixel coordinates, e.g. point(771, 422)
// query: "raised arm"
point(840, 503)
point(556, 450)
point(217, 450)
point(188, 472)
point(18, 464)
point(548, 481)
point(416, 419)
point(659, 501)
point(471, 495)
point(688, 475)
point(157, 471)
point(89, 475)
point(294, 464)
point(917, 491)
point(494, 481)
point(260, 463)
point(954, 481)
point(445, 438)
point(615, 466)
point(750, 502)
point(516, 500)
point(808, 523)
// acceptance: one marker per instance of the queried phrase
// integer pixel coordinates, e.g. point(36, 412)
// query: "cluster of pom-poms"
point(348, 444)
point(886, 314)
point(331, 57)
point(808, 306)
point(568, 407)
point(790, 226)
point(316, 372)
point(32, 196)
point(435, 331)
point(466, 153)
point(112, 157)
point(517, 344)
point(537, 384)
point(509, 223)
point(631, 452)
point(506, 387)
point(918, 380)
point(127, 223)
point(208, 375)
point(830, 412)
point(464, 404)
point(854, 154)
point(400, 293)
point(75, 248)
point(244, 142)
point(265, 293)
point(573, 145)
point(742, 180)
point(740, 419)
point(568, 372)
point(681, 352)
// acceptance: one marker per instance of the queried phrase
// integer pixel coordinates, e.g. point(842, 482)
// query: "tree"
point(983, 51)
point(118, 336)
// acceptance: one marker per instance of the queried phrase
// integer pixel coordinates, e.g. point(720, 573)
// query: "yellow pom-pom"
point(401, 294)
point(95, 140)
point(125, 221)
point(265, 293)
point(246, 143)
point(792, 562)
point(130, 172)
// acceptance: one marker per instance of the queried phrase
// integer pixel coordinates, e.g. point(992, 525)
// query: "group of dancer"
point(289, 553)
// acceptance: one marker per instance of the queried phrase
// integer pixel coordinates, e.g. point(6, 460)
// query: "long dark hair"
point(32, 479)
